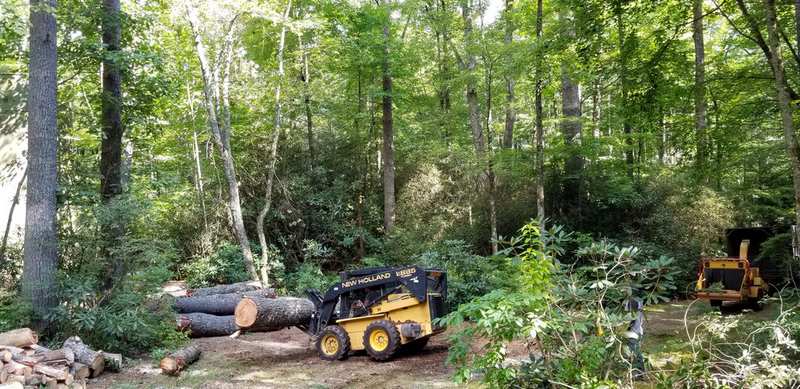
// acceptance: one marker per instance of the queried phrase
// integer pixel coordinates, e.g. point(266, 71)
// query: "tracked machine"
point(380, 310)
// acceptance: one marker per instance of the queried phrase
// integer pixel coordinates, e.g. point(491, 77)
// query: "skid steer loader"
point(735, 277)
point(380, 310)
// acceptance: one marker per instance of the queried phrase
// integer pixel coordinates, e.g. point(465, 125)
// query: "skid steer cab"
point(380, 310)
point(735, 277)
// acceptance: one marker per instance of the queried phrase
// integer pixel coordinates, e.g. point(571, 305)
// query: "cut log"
point(201, 325)
point(14, 367)
point(13, 383)
point(262, 314)
point(238, 287)
point(16, 352)
point(21, 337)
point(175, 362)
point(60, 374)
point(65, 355)
point(85, 355)
point(113, 361)
point(80, 371)
point(217, 304)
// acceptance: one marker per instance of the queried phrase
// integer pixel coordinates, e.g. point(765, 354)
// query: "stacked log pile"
point(25, 363)
point(206, 312)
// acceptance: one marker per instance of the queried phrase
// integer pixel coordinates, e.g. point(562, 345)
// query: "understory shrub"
point(224, 266)
point(308, 275)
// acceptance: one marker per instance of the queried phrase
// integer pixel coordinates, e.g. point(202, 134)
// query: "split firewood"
point(49, 382)
point(64, 355)
point(3, 376)
point(201, 325)
point(13, 384)
point(12, 378)
point(262, 314)
point(85, 355)
point(80, 371)
point(50, 371)
point(175, 362)
point(34, 380)
point(14, 367)
point(238, 287)
point(21, 337)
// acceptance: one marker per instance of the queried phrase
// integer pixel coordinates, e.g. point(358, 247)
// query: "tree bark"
point(217, 304)
point(511, 113)
point(539, 125)
point(111, 118)
point(175, 362)
point(263, 314)
point(700, 104)
point(273, 156)
point(221, 134)
point(388, 132)
point(41, 240)
point(239, 287)
point(21, 337)
point(202, 325)
point(784, 103)
point(85, 355)
point(14, 203)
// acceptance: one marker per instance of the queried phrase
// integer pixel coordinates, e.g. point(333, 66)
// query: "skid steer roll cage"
point(414, 278)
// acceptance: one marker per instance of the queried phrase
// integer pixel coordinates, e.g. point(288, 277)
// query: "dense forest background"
point(219, 141)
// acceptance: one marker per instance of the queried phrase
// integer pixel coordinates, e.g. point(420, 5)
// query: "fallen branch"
point(175, 362)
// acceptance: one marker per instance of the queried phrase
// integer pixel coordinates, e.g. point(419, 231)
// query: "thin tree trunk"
point(623, 79)
point(14, 203)
point(784, 103)
point(221, 137)
point(41, 240)
point(511, 114)
point(700, 105)
point(539, 125)
point(571, 130)
point(273, 157)
point(307, 102)
point(198, 167)
point(388, 135)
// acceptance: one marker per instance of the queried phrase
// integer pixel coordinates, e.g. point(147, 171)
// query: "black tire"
point(330, 351)
point(385, 337)
point(417, 345)
point(754, 304)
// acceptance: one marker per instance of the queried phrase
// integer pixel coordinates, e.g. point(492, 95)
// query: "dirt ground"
point(286, 359)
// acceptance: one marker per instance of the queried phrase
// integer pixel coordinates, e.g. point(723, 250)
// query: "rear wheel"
point(417, 345)
point(333, 343)
point(381, 340)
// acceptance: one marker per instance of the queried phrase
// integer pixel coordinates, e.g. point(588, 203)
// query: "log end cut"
point(246, 313)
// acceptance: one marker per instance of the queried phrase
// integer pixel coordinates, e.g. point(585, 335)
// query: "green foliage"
point(224, 266)
point(308, 276)
point(14, 312)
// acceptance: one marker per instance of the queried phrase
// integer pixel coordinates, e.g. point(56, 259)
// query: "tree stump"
point(175, 362)
point(217, 304)
point(202, 325)
point(85, 355)
point(21, 337)
point(262, 314)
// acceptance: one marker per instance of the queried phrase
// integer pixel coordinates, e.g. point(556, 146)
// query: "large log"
point(238, 287)
point(21, 337)
point(85, 355)
point(262, 314)
point(201, 325)
point(217, 304)
point(173, 363)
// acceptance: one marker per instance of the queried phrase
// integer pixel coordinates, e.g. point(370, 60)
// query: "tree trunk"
point(388, 134)
point(627, 130)
point(221, 135)
point(700, 105)
point(263, 314)
point(14, 203)
point(41, 240)
point(217, 304)
point(784, 103)
point(511, 114)
point(307, 103)
point(175, 362)
point(111, 142)
point(85, 355)
point(202, 325)
point(21, 337)
point(273, 156)
point(539, 125)
point(571, 130)
point(239, 287)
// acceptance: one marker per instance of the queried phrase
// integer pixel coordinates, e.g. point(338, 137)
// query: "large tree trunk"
point(221, 134)
point(388, 134)
point(511, 113)
point(263, 314)
point(784, 103)
point(201, 325)
point(41, 240)
point(239, 287)
point(111, 101)
point(700, 105)
point(539, 125)
point(273, 156)
point(217, 304)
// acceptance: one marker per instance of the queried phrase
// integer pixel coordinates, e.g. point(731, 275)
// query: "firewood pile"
point(24, 363)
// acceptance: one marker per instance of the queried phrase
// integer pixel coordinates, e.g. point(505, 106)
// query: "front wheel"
point(333, 343)
point(381, 339)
